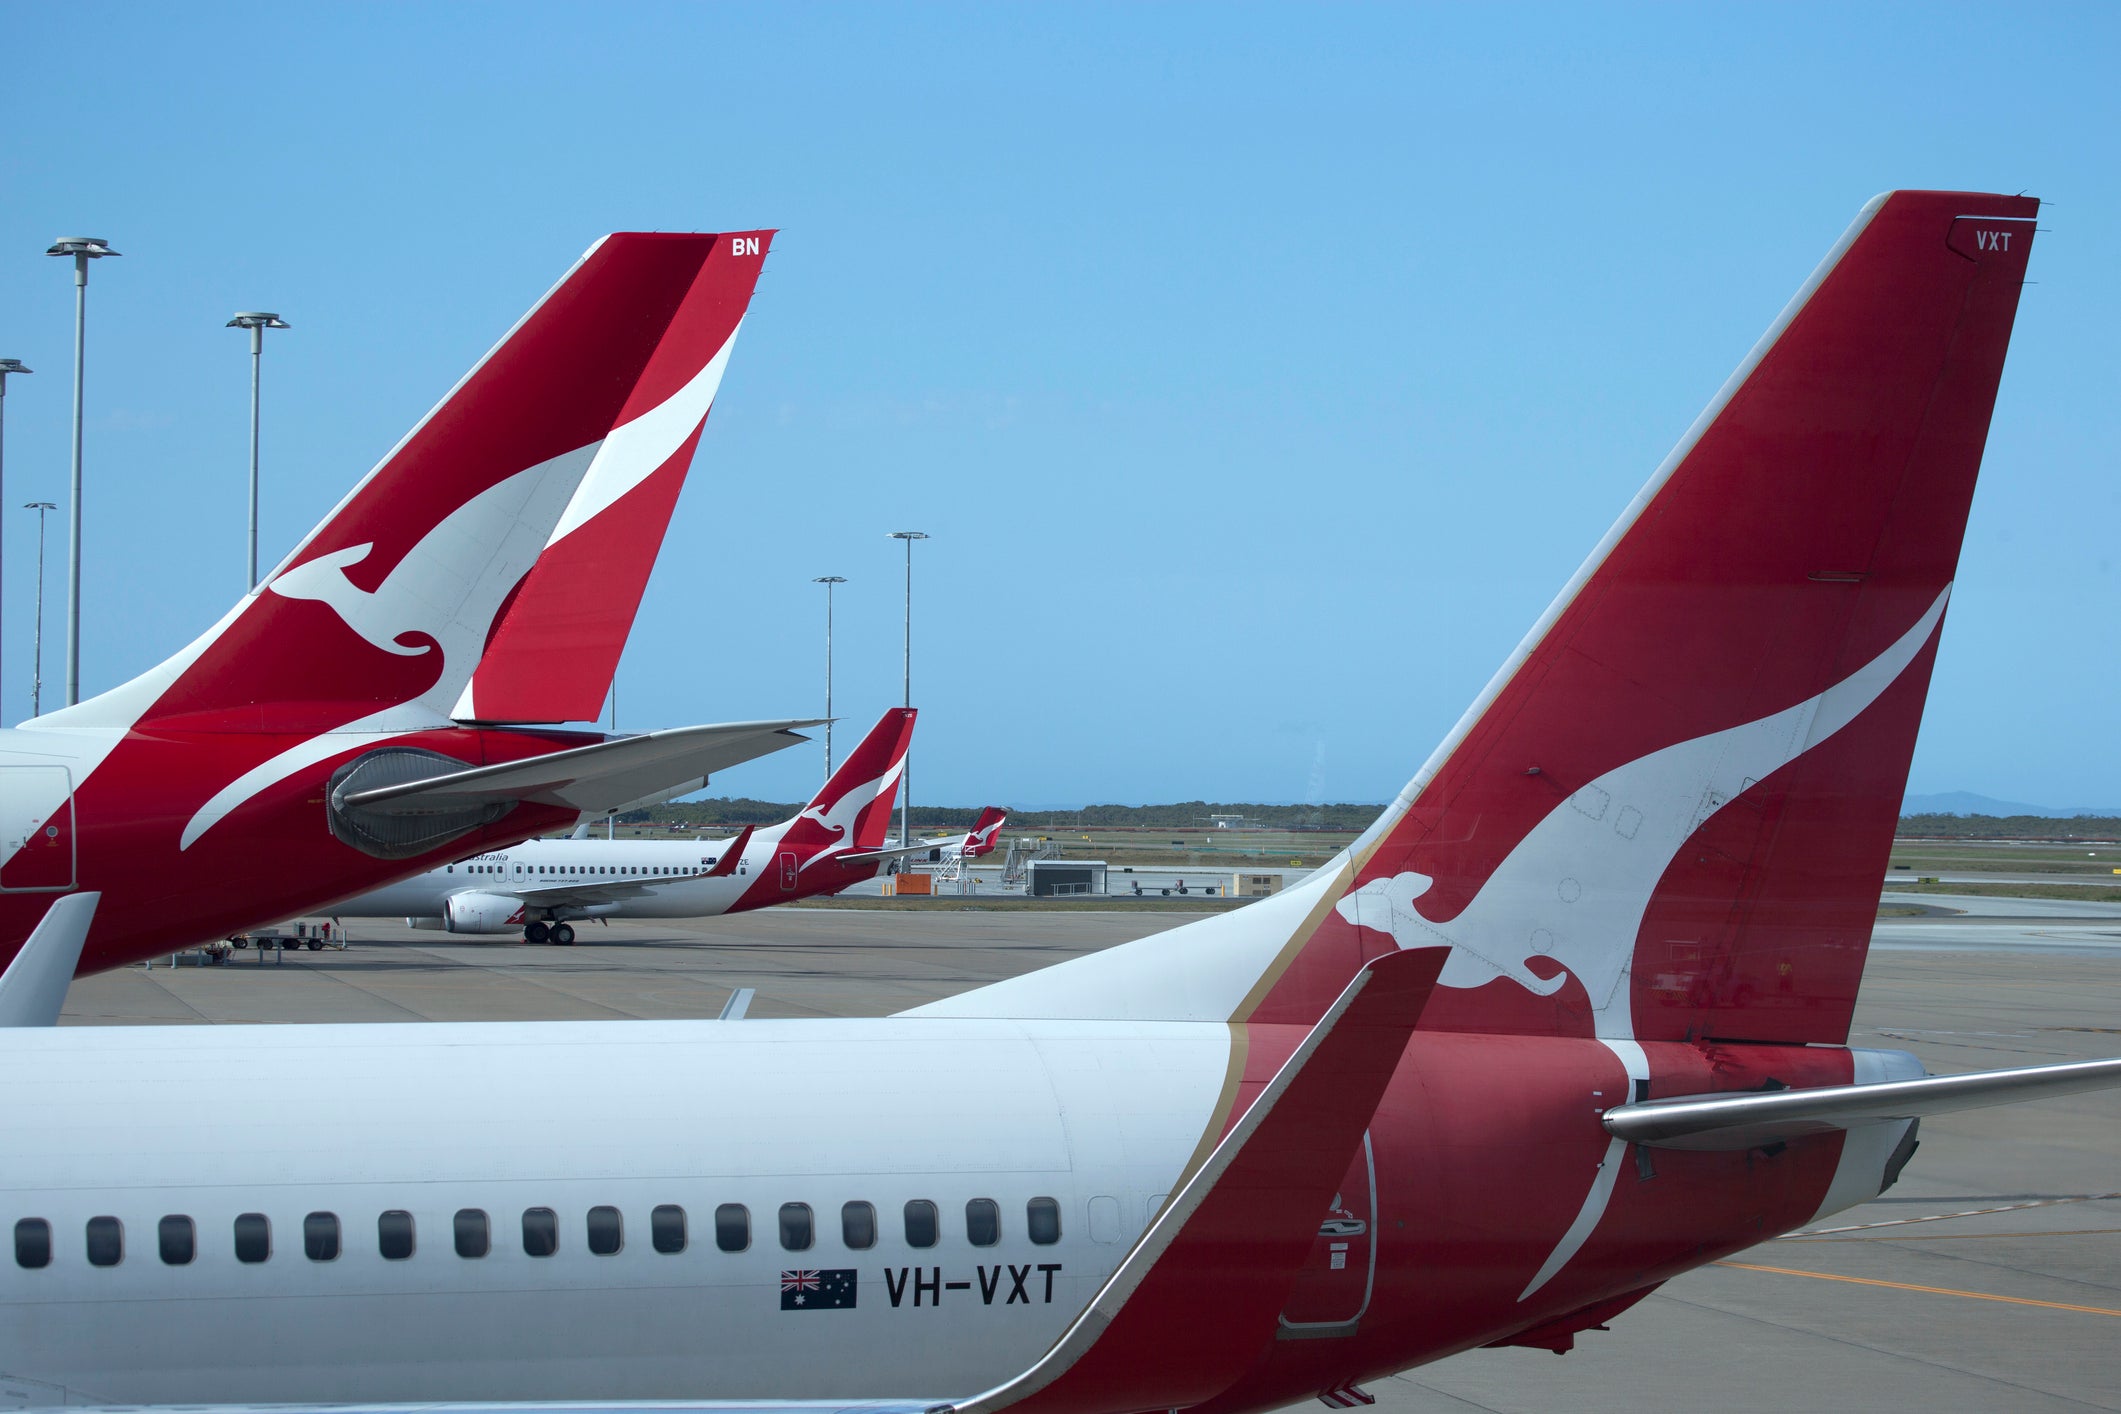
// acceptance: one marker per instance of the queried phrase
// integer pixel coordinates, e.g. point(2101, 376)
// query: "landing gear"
point(534, 932)
point(563, 935)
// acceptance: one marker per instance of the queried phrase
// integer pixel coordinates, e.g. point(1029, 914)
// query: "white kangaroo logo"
point(1575, 889)
point(839, 817)
point(375, 616)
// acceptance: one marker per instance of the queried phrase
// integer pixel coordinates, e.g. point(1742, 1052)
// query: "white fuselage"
point(129, 1124)
point(650, 878)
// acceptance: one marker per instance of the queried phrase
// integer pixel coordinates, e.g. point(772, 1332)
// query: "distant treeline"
point(1193, 815)
point(2010, 827)
point(1186, 815)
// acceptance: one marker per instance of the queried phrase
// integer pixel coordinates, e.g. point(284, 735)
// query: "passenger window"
point(394, 1235)
point(473, 1238)
point(796, 1227)
point(320, 1237)
point(983, 1222)
point(921, 1223)
point(178, 1240)
point(1042, 1221)
point(541, 1232)
point(253, 1236)
point(666, 1228)
point(858, 1225)
point(732, 1227)
point(607, 1231)
point(106, 1242)
point(33, 1243)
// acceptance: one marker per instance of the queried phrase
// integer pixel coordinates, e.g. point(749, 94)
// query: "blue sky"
point(1260, 372)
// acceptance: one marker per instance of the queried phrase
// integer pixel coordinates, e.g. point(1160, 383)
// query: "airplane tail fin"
point(1669, 813)
point(985, 830)
point(853, 810)
point(560, 452)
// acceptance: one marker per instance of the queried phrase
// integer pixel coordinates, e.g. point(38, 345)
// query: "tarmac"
point(1988, 1279)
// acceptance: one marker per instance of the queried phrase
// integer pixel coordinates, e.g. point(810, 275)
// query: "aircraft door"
point(788, 873)
point(1333, 1288)
point(36, 829)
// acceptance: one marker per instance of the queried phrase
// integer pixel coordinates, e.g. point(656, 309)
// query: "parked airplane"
point(975, 843)
point(543, 887)
point(1570, 1019)
point(367, 711)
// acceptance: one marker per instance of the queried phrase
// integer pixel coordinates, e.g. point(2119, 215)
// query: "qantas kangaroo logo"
point(840, 817)
point(1575, 889)
point(443, 594)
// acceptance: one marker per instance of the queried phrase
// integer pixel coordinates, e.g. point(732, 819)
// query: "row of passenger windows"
point(604, 1232)
point(574, 871)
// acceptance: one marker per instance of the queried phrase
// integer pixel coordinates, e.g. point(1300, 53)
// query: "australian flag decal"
point(831, 1289)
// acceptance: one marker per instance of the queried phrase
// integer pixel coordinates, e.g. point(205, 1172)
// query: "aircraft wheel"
point(563, 935)
point(535, 932)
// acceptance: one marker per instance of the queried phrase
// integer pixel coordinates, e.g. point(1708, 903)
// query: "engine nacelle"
point(482, 913)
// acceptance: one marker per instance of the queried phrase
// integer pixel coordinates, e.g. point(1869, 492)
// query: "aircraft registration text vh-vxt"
point(1570, 1019)
point(381, 702)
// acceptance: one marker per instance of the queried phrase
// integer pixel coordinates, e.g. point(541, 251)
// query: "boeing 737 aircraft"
point(373, 708)
point(541, 888)
point(1570, 1019)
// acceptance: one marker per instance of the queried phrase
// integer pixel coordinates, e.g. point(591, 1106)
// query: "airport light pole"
point(828, 580)
point(257, 321)
point(7, 366)
point(905, 780)
point(36, 681)
point(83, 249)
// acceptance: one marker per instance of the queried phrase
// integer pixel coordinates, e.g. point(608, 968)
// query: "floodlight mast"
point(905, 779)
point(7, 366)
point(828, 580)
point(36, 681)
point(257, 321)
point(83, 249)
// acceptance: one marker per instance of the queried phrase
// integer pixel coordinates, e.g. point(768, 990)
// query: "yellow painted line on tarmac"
point(1930, 1290)
point(1963, 1236)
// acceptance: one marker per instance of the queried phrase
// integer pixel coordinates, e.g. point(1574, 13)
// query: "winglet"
point(1188, 1310)
point(726, 865)
point(34, 986)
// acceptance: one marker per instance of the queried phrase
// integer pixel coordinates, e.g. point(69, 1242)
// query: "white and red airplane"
point(541, 888)
point(369, 710)
point(1570, 1019)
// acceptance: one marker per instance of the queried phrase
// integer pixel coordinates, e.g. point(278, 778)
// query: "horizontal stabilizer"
point(597, 778)
point(1753, 1118)
point(1156, 1336)
point(34, 986)
point(899, 851)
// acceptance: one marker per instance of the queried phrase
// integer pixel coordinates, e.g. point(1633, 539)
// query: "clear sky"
point(1260, 372)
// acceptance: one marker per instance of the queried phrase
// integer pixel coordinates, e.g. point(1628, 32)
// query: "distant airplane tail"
point(980, 840)
point(1669, 813)
point(515, 524)
point(853, 811)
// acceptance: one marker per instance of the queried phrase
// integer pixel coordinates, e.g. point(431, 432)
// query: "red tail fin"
point(391, 601)
point(853, 811)
point(1669, 814)
point(984, 832)
point(553, 653)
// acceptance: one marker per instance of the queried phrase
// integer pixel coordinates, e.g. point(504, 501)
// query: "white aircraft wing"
point(862, 856)
point(603, 776)
point(584, 892)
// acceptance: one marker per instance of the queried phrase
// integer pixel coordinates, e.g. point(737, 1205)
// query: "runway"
point(1989, 1279)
